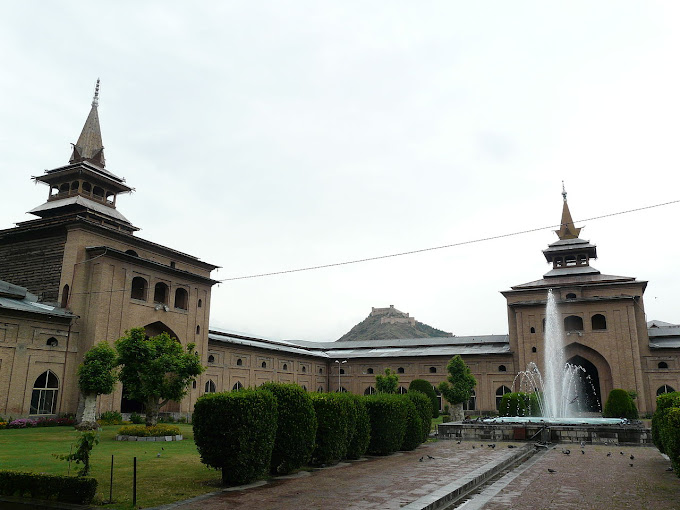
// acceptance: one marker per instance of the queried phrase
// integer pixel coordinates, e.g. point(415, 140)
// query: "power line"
point(452, 245)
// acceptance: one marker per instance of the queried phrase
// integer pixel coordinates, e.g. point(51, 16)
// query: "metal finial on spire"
point(95, 99)
point(564, 191)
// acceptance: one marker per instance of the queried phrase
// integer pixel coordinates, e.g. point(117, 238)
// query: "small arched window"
point(573, 323)
point(304, 369)
point(400, 370)
point(132, 252)
point(598, 322)
point(502, 368)
point(369, 391)
point(52, 342)
point(285, 366)
point(200, 303)
point(533, 329)
point(211, 359)
point(582, 259)
point(74, 186)
point(160, 293)
point(237, 386)
point(139, 286)
point(321, 370)
point(64, 296)
point(87, 187)
point(571, 295)
point(98, 192)
point(499, 395)
point(193, 384)
point(533, 349)
point(210, 386)
point(264, 364)
point(64, 188)
point(319, 389)
point(664, 389)
point(662, 364)
point(45, 392)
point(198, 330)
point(402, 391)
point(181, 298)
point(304, 387)
point(433, 370)
point(342, 389)
point(342, 371)
point(239, 362)
point(369, 371)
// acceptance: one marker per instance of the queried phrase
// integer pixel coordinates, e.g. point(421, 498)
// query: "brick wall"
point(34, 264)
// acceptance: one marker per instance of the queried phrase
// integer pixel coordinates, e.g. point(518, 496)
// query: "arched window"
point(98, 192)
point(533, 329)
point(571, 295)
point(471, 404)
point(369, 371)
point(662, 364)
point(74, 186)
point(369, 391)
point(285, 366)
point(304, 387)
point(501, 368)
point(598, 321)
point(181, 298)
point(198, 330)
point(304, 369)
point(211, 359)
point(573, 323)
point(664, 389)
point(87, 187)
point(319, 389)
point(400, 370)
point(200, 303)
point(193, 384)
point(160, 293)
point(45, 392)
point(264, 364)
point(433, 370)
point(237, 386)
point(543, 325)
point(321, 370)
point(64, 188)
point(210, 386)
point(533, 349)
point(558, 262)
point(139, 286)
point(64, 296)
point(342, 389)
point(582, 260)
point(342, 371)
point(570, 260)
point(402, 390)
point(239, 362)
point(132, 252)
point(499, 395)
point(52, 342)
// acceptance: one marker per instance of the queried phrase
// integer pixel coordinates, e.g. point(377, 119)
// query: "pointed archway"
point(590, 382)
point(597, 376)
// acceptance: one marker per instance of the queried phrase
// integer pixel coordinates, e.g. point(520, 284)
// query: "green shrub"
point(143, 431)
point(296, 429)
point(413, 435)
point(331, 434)
point(235, 432)
point(424, 408)
point(86, 441)
point(111, 418)
point(664, 402)
point(519, 404)
point(620, 405)
point(137, 419)
point(68, 489)
point(387, 414)
point(362, 429)
point(425, 387)
point(671, 437)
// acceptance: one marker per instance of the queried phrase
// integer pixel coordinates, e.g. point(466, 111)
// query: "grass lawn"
point(177, 474)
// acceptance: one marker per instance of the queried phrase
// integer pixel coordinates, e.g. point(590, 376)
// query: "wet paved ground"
point(584, 481)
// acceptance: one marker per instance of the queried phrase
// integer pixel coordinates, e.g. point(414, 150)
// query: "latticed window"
point(45, 392)
point(499, 395)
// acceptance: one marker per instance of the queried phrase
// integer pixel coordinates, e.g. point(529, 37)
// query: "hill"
point(388, 323)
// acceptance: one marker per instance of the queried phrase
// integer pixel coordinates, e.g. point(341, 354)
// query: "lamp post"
point(339, 364)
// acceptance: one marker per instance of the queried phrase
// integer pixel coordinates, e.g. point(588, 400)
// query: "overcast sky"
point(267, 136)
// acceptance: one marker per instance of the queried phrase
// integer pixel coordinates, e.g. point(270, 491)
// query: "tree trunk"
point(152, 408)
point(457, 413)
point(86, 418)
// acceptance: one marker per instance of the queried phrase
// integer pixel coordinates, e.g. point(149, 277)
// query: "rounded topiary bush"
point(235, 432)
point(296, 428)
point(519, 404)
point(424, 408)
point(413, 435)
point(331, 434)
point(620, 405)
point(362, 429)
point(388, 423)
point(425, 387)
point(664, 403)
point(671, 437)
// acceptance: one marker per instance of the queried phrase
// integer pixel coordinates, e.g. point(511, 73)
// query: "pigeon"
point(583, 452)
point(473, 447)
point(457, 442)
point(551, 471)
point(621, 453)
point(421, 459)
point(632, 457)
point(492, 445)
point(566, 452)
point(609, 454)
point(583, 444)
point(669, 469)
point(430, 457)
point(511, 446)
point(631, 464)
point(158, 454)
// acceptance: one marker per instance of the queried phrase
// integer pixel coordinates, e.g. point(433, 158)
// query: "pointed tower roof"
point(567, 229)
point(89, 146)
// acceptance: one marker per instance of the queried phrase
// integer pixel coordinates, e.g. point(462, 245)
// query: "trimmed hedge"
point(519, 404)
point(332, 411)
point(414, 426)
point(424, 408)
point(425, 387)
point(144, 431)
point(666, 427)
point(235, 432)
point(664, 403)
point(620, 405)
point(388, 423)
point(296, 428)
point(67, 489)
point(362, 429)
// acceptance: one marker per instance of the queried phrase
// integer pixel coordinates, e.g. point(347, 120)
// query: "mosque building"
point(78, 274)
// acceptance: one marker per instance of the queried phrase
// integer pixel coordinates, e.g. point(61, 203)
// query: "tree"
point(156, 370)
point(96, 376)
point(387, 383)
point(425, 387)
point(88, 439)
point(458, 386)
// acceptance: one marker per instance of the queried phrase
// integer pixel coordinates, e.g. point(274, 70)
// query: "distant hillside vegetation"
point(388, 323)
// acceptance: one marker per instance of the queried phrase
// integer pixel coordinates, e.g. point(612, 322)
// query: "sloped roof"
point(14, 297)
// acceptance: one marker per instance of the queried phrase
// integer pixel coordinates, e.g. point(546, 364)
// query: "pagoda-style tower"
point(84, 186)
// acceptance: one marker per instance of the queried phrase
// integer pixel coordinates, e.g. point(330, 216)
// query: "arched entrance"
point(591, 396)
point(129, 405)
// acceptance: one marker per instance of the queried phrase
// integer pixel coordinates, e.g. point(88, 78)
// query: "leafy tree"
point(425, 387)
point(96, 376)
point(387, 383)
point(458, 386)
point(156, 370)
